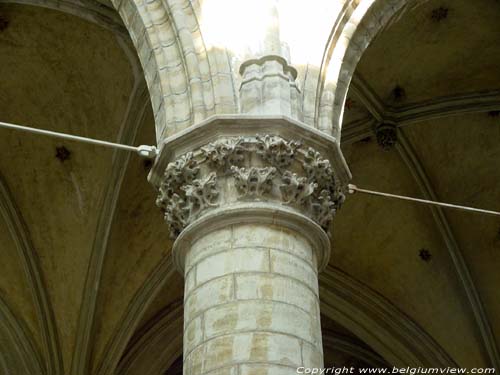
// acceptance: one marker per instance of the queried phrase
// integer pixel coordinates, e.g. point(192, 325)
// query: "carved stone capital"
point(230, 161)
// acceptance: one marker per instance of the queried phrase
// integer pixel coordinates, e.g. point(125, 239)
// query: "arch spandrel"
point(187, 82)
point(353, 33)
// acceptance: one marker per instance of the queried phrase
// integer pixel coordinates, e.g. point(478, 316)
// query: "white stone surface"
point(239, 312)
point(231, 262)
point(276, 288)
point(213, 293)
point(283, 263)
point(267, 370)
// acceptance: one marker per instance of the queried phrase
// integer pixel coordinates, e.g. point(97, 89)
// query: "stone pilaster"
point(268, 87)
point(250, 201)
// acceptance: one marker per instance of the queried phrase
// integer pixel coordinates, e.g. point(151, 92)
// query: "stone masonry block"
point(232, 261)
point(277, 288)
point(312, 356)
point(256, 235)
point(257, 369)
point(193, 334)
point(208, 295)
point(251, 347)
point(189, 281)
point(244, 316)
point(285, 264)
point(210, 243)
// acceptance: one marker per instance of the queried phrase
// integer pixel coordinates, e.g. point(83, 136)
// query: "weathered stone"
point(250, 214)
point(250, 311)
point(192, 184)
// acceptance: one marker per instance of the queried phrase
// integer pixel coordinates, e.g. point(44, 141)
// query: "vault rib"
point(45, 315)
point(85, 331)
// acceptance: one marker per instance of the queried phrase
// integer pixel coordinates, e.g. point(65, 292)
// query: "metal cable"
point(143, 150)
point(353, 189)
point(152, 152)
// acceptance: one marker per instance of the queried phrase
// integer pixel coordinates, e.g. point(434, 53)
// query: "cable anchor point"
point(351, 189)
point(148, 152)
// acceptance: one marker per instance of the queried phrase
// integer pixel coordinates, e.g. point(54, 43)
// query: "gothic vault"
point(239, 249)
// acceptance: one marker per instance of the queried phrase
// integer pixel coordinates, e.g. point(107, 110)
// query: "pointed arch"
point(131, 318)
point(158, 344)
point(378, 323)
point(33, 273)
point(350, 37)
point(17, 352)
point(187, 82)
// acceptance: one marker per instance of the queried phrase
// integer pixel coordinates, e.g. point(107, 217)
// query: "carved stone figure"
point(224, 152)
point(181, 171)
point(190, 184)
point(323, 210)
point(175, 213)
point(296, 189)
point(318, 169)
point(276, 150)
point(201, 194)
point(253, 182)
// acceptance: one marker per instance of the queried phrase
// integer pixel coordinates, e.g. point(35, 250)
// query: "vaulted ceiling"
point(86, 284)
point(433, 74)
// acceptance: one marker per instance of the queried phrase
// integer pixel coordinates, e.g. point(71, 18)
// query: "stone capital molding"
point(224, 126)
point(228, 162)
point(287, 69)
point(253, 213)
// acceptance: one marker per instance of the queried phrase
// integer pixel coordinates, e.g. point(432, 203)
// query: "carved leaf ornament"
point(260, 168)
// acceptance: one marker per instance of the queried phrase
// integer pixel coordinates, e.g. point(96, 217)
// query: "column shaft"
point(249, 202)
point(251, 302)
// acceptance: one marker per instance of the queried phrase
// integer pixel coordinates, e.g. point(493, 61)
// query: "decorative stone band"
point(287, 69)
point(258, 168)
point(254, 213)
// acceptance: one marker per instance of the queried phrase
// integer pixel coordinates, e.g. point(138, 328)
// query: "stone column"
point(249, 201)
point(251, 298)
